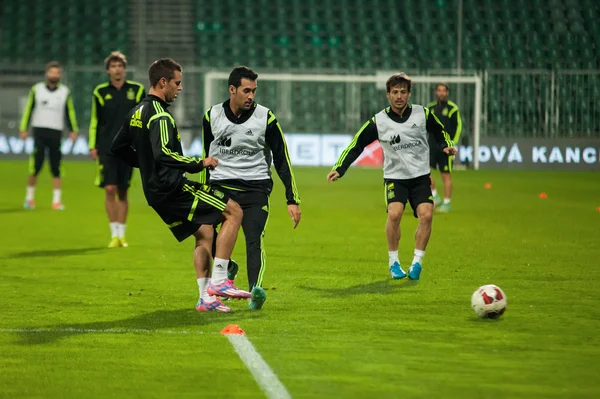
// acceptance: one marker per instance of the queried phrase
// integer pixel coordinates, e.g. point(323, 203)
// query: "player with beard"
point(48, 107)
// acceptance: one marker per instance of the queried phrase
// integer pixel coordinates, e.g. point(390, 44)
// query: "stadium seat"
point(37, 32)
point(319, 34)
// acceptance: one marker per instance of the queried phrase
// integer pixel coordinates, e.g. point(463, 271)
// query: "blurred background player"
point(48, 106)
point(245, 136)
point(110, 103)
point(449, 115)
point(402, 131)
point(149, 140)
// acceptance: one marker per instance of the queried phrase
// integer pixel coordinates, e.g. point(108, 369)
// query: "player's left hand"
point(450, 150)
point(73, 136)
point(294, 211)
point(333, 176)
point(210, 163)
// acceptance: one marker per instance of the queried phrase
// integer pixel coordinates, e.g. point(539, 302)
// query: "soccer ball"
point(489, 302)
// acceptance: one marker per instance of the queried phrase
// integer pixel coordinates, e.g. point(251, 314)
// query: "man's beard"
point(53, 81)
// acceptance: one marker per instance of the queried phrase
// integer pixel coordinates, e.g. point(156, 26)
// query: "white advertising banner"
point(324, 150)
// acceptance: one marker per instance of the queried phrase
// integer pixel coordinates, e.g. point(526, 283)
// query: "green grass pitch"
point(334, 324)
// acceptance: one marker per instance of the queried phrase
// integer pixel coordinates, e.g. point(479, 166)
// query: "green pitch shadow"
point(55, 252)
point(163, 321)
point(13, 210)
point(383, 287)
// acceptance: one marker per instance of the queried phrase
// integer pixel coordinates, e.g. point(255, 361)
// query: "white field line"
point(262, 373)
point(102, 331)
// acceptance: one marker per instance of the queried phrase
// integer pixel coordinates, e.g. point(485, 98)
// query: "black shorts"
point(112, 171)
point(416, 191)
point(194, 205)
point(45, 140)
point(439, 160)
point(246, 199)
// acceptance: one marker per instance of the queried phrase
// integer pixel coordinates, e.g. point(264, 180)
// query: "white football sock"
point(121, 230)
point(114, 229)
point(418, 257)
point(219, 273)
point(30, 195)
point(56, 196)
point(393, 257)
point(202, 285)
point(446, 201)
point(434, 192)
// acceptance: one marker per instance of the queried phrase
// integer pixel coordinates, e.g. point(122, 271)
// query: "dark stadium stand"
point(74, 31)
point(320, 35)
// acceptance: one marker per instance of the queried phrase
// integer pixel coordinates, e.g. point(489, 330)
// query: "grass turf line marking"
point(260, 370)
point(102, 331)
point(262, 373)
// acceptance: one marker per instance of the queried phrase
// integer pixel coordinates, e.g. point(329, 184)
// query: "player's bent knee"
point(425, 215)
point(426, 218)
point(395, 211)
point(395, 216)
point(110, 190)
point(233, 211)
point(205, 235)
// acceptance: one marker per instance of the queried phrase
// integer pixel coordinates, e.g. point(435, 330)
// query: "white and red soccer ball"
point(489, 301)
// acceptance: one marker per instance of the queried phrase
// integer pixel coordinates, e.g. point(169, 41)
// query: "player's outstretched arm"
point(365, 136)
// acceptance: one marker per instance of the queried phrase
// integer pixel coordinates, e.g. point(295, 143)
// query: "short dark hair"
point(442, 84)
point(399, 79)
point(239, 73)
point(115, 56)
point(53, 64)
point(162, 68)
